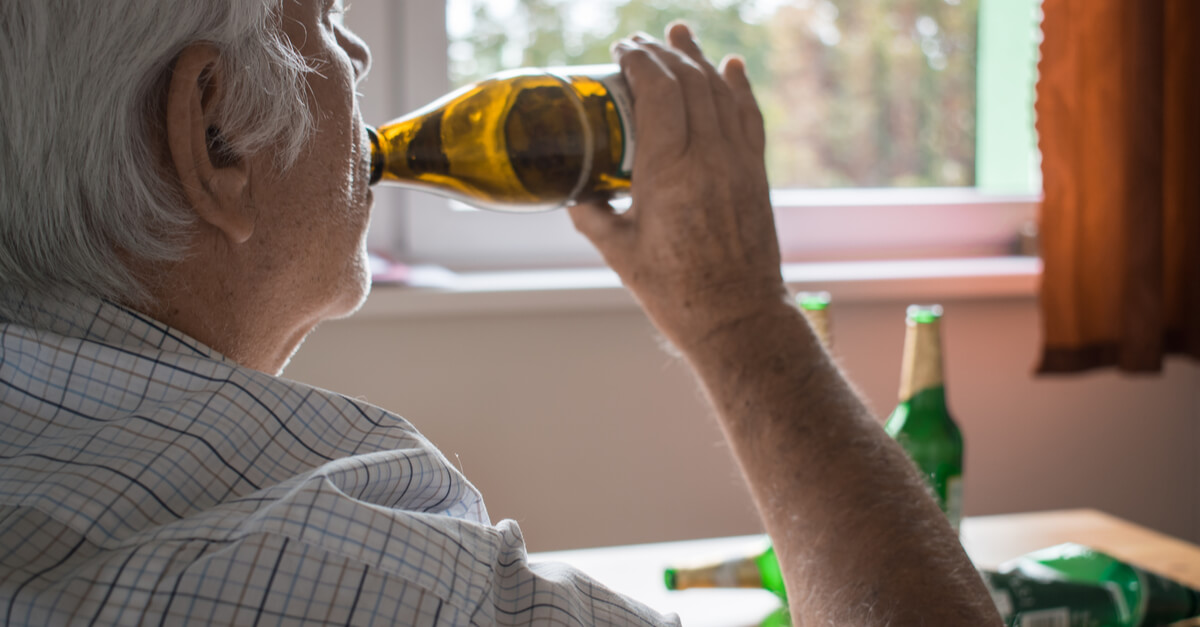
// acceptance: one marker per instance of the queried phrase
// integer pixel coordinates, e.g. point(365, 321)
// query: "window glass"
point(855, 93)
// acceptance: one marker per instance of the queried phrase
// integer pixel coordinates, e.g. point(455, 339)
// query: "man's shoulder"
point(121, 436)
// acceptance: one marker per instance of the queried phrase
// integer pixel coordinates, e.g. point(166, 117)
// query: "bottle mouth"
point(377, 159)
point(813, 301)
point(924, 314)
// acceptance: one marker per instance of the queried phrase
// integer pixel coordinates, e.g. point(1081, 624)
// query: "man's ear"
point(215, 181)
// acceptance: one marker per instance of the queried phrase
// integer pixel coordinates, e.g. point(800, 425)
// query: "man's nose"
point(360, 54)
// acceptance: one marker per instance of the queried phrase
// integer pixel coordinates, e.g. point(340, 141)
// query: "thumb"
point(597, 221)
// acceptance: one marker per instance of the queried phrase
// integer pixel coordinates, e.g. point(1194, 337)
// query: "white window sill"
point(599, 289)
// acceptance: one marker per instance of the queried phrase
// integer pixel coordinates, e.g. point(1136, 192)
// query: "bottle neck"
point(922, 366)
point(819, 320)
point(377, 156)
point(734, 573)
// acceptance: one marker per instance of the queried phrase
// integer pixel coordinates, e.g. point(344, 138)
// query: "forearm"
point(858, 537)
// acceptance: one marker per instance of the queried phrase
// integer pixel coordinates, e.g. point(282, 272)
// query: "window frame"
point(410, 68)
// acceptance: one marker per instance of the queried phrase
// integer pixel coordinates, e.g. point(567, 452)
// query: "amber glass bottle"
point(524, 140)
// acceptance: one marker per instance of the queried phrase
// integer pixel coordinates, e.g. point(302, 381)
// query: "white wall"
point(582, 429)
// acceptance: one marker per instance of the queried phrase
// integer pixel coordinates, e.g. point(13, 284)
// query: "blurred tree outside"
point(856, 93)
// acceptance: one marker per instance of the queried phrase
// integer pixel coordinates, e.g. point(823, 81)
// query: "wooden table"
point(637, 570)
point(990, 540)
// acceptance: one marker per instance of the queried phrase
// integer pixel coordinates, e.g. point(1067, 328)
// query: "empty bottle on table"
point(759, 570)
point(921, 422)
point(1071, 585)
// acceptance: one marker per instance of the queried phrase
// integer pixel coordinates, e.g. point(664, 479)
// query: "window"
point(898, 127)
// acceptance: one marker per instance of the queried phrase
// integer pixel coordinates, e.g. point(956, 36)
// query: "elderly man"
point(183, 192)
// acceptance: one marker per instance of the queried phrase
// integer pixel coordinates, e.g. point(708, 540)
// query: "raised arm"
point(859, 539)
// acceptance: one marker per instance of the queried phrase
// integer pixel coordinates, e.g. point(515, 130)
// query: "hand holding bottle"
point(698, 246)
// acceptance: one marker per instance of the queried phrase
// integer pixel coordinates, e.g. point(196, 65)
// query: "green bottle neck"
point(771, 574)
point(921, 413)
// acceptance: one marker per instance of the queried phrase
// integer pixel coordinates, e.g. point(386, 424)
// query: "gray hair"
point(83, 95)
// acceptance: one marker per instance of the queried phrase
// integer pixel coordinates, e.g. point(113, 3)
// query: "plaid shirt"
point(146, 479)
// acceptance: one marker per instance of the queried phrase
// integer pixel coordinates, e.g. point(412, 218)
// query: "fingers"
point(692, 100)
point(699, 108)
point(658, 101)
point(598, 222)
point(733, 69)
point(681, 37)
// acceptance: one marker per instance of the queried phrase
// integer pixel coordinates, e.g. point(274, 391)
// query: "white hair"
point(82, 95)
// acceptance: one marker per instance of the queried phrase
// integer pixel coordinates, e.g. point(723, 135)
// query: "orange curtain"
point(1118, 109)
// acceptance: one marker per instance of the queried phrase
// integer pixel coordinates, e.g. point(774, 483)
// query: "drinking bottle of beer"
point(523, 140)
point(921, 424)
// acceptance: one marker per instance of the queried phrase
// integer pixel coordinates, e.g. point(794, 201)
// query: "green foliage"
point(862, 93)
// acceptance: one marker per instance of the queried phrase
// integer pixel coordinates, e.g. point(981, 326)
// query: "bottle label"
point(1028, 600)
point(740, 572)
point(623, 100)
point(1003, 601)
point(954, 495)
point(1053, 617)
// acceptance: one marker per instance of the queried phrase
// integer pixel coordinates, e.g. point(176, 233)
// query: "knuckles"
point(687, 70)
point(632, 57)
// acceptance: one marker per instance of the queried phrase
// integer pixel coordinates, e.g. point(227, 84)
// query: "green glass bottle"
point(755, 571)
point(1076, 585)
point(921, 423)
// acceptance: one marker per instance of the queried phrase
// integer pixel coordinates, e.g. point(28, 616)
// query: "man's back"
point(146, 479)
